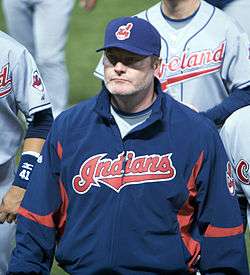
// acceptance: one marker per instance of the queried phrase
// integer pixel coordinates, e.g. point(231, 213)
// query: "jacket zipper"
point(118, 205)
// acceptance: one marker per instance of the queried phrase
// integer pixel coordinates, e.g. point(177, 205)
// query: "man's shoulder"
point(225, 21)
point(78, 114)
point(7, 43)
point(189, 121)
point(156, 9)
point(218, 17)
point(10, 51)
point(239, 120)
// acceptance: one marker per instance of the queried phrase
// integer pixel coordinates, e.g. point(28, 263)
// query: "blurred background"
point(85, 36)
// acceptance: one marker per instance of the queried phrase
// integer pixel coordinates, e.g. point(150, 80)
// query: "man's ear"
point(157, 66)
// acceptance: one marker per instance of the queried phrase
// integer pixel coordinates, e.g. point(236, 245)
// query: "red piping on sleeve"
point(185, 215)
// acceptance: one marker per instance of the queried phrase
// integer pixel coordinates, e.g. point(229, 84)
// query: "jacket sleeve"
point(37, 225)
point(223, 249)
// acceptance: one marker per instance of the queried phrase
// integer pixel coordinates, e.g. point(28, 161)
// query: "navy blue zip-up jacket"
point(159, 201)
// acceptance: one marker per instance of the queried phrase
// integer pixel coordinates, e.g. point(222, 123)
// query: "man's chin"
point(120, 91)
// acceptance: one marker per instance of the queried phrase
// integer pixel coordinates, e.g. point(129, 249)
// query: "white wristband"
point(31, 153)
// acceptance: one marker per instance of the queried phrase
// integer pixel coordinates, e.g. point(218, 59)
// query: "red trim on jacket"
point(185, 215)
point(46, 220)
point(219, 232)
point(59, 150)
point(53, 220)
point(62, 212)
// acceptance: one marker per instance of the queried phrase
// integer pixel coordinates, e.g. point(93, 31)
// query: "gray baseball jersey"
point(42, 27)
point(202, 61)
point(21, 89)
point(235, 135)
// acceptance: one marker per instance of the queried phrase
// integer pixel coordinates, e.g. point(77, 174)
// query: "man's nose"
point(119, 68)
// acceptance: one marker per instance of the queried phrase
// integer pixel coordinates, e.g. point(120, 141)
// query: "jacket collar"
point(102, 106)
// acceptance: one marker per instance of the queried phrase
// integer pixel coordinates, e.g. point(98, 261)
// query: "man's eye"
point(130, 60)
point(113, 59)
point(126, 60)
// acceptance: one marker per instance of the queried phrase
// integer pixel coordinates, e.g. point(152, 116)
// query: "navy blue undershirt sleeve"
point(243, 202)
point(237, 99)
point(219, 3)
point(40, 125)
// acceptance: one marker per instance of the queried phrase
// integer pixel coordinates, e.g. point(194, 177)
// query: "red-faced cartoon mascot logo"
point(230, 179)
point(124, 32)
point(37, 82)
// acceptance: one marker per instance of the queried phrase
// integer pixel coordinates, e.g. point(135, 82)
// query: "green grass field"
point(85, 36)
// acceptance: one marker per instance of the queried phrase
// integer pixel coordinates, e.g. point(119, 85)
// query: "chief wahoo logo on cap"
point(123, 31)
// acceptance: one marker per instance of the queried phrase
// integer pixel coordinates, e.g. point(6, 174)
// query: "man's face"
point(126, 73)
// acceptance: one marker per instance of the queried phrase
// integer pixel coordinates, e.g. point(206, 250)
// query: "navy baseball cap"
point(132, 34)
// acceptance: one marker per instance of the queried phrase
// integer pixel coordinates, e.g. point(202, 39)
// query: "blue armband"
point(40, 125)
point(25, 168)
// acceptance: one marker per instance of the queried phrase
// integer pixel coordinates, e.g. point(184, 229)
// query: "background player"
point(90, 197)
point(42, 27)
point(21, 89)
point(235, 135)
point(236, 132)
point(205, 57)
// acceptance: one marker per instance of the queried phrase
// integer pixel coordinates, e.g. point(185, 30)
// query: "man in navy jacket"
point(131, 181)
